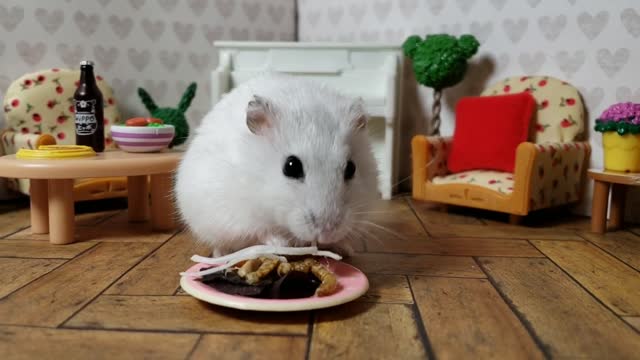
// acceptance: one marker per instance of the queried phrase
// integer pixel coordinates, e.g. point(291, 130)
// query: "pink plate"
point(352, 284)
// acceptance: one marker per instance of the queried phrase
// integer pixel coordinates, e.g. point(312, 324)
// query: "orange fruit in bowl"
point(143, 121)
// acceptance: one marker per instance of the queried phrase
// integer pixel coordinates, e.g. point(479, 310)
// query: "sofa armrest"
point(429, 159)
point(13, 141)
point(551, 173)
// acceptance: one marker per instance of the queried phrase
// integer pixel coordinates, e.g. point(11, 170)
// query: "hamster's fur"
point(231, 190)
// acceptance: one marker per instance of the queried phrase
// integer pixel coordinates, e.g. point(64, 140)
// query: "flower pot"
point(621, 152)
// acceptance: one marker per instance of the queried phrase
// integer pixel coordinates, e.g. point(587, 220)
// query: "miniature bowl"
point(142, 138)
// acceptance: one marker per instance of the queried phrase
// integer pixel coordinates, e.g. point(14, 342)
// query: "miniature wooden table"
point(51, 187)
point(616, 183)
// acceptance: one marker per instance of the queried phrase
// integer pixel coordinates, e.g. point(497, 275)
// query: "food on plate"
point(270, 272)
point(144, 121)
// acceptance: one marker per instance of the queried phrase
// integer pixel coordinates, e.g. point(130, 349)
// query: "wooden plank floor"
point(462, 284)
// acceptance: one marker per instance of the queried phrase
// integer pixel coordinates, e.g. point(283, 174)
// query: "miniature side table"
point(51, 183)
point(616, 182)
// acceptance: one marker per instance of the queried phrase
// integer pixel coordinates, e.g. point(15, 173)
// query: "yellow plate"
point(56, 152)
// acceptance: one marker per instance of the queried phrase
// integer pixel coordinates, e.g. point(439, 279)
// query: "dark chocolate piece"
point(293, 285)
point(230, 282)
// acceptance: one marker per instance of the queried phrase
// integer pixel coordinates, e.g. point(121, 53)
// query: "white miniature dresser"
point(373, 72)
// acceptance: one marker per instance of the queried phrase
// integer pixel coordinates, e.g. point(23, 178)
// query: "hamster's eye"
point(293, 168)
point(350, 170)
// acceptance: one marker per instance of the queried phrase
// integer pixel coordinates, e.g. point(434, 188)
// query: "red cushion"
point(488, 130)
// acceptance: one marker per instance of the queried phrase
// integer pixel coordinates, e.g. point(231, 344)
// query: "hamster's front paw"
point(275, 240)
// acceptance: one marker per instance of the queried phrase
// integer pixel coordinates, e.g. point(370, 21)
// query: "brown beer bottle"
point(89, 109)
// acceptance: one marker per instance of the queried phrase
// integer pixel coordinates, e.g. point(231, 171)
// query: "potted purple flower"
point(620, 128)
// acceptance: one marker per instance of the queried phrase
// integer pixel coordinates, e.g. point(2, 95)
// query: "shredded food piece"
point(254, 252)
point(267, 266)
point(328, 281)
point(249, 266)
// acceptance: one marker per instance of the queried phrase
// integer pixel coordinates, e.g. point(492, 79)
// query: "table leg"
point(162, 207)
point(616, 213)
point(38, 190)
point(61, 212)
point(138, 198)
point(599, 207)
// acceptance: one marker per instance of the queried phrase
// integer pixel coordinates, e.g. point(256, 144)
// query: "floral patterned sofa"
point(38, 111)
point(550, 168)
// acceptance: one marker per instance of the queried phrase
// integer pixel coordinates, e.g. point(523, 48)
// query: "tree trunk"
point(435, 113)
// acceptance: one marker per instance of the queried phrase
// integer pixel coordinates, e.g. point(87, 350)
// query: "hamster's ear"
point(359, 115)
point(259, 115)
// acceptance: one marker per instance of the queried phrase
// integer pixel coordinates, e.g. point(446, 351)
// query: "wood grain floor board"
point(366, 330)
point(16, 273)
point(467, 318)
point(412, 264)
point(182, 314)
point(569, 322)
point(57, 295)
point(622, 244)
point(456, 284)
point(616, 284)
point(502, 232)
point(158, 274)
point(250, 347)
point(633, 321)
point(41, 249)
point(13, 221)
point(17, 342)
point(430, 214)
point(457, 247)
point(390, 289)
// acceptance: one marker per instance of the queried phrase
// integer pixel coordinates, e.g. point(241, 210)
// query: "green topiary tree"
point(439, 61)
point(172, 116)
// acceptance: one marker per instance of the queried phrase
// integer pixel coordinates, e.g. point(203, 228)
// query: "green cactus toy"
point(439, 61)
point(172, 116)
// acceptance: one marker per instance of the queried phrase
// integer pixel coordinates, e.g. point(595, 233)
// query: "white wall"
point(593, 44)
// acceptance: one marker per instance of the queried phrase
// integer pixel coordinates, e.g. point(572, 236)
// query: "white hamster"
point(279, 160)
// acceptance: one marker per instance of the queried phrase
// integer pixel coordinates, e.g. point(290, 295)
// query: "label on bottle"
point(86, 122)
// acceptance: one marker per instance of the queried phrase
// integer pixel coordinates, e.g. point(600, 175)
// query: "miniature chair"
point(549, 169)
point(38, 109)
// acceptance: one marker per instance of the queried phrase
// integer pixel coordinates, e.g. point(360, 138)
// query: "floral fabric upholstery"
point(42, 103)
point(558, 174)
point(560, 114)
point(501, 182)
point(11, 143)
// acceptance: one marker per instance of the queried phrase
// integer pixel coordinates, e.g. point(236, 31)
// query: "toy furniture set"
point(38, 109)
point(614, 184)
point(55, 173)
point(528, 157)
point(372, 72)
point(52, 172)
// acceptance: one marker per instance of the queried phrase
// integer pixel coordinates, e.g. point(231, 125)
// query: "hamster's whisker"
point(366, 236)
point(378, 212)
point(380, 227)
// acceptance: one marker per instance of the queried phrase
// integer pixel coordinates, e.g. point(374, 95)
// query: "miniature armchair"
point(38, 108)
point(549, 168)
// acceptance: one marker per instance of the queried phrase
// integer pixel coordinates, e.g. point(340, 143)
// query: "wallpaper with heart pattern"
point(161, 45)
point(593, 44)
